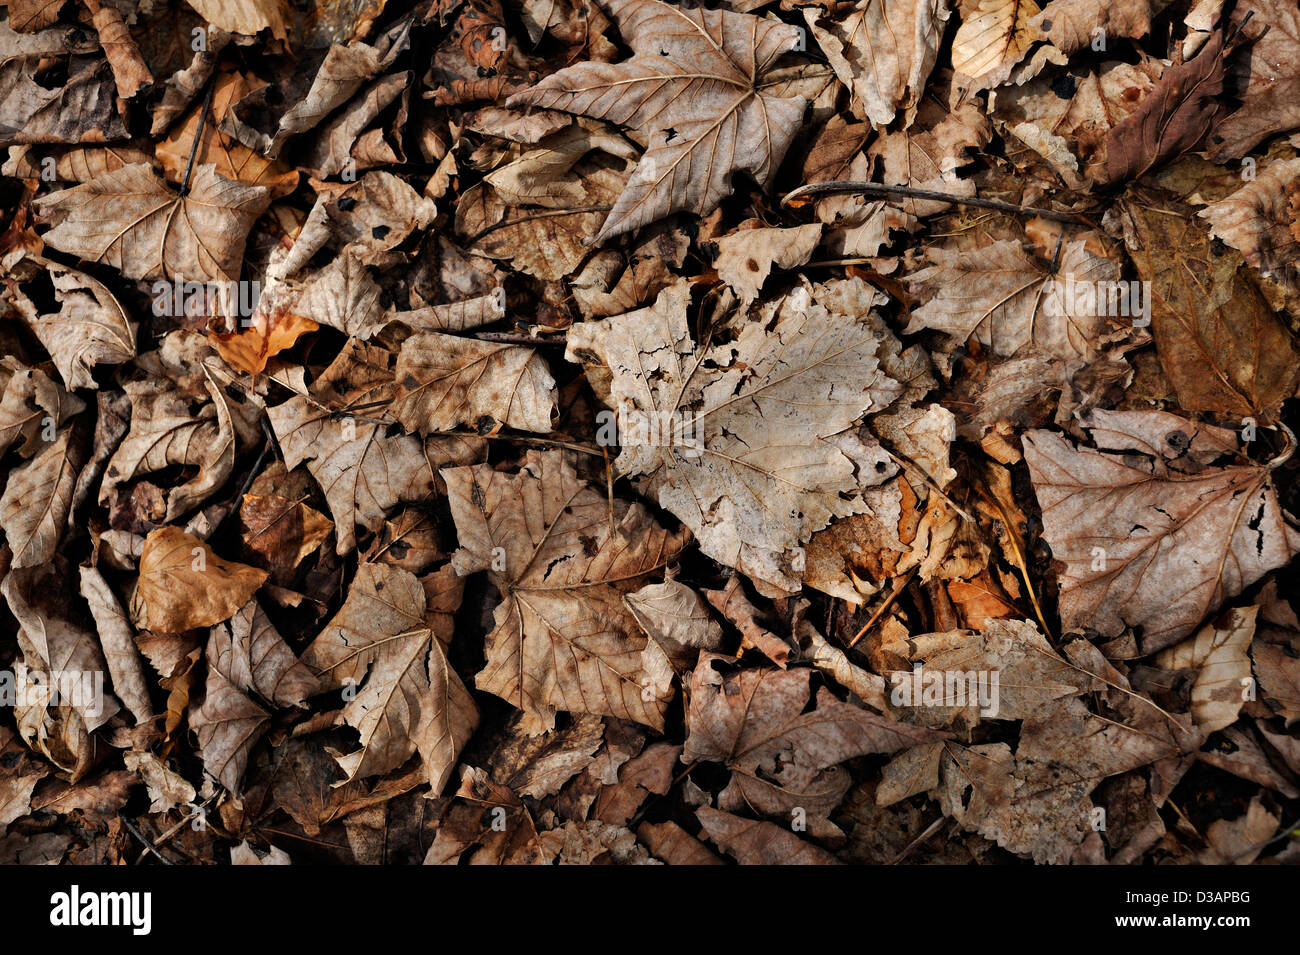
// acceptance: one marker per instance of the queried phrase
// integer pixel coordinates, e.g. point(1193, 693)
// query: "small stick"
point(550, 213)
point(899, 585)
point(907, 192)
point(145, 842)
point(198, 136)
point(511, 338)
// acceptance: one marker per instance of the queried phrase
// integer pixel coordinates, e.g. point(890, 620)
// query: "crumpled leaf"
point(363, 470)
point(90, 328)
point(254, 657)
point(228, 725)
point(745, 258)
point(117, 639)
point(883, 52)
point(37, 499)
point(1218, 655)
point(1267, 82)
point(184, 585)
point(244, 16)
point(993, 38)
point(1073, 24)
point(1256, 220)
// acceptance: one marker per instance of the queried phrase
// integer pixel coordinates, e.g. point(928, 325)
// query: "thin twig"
point(907, 192)
point(899, 584)
point(550, 213)
point(149, 847)
point(511, 338)
point(930, 830)
point(198, 137)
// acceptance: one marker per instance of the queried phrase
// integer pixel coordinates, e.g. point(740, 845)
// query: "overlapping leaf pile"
point(430, 431)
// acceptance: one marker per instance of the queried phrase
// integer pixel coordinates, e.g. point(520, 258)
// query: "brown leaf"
point(445, 381)
point(255, 658)
point(1267, 82)
point(1144, 544)
point(882, 53)
point(1174, 117)
point(183, 584)
point(1220, 343)
point(228, 725)
point(750, 443)
point(230, 159)
point(336, 430)
point(1218, 655)
point(131, 221)
point(759, 843)
point(244, 16)
point(562, 638)
point(781, 757)
point(695, 90)
point(402, 694)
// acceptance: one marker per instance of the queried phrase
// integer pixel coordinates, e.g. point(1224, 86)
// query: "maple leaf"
point(129, 219)
point(697, 90)
point(1156, 541)
point(389, 643)
point(781, 754)
point(562, 640)
point(230, 160)
point(363, 470)
point(764, 453)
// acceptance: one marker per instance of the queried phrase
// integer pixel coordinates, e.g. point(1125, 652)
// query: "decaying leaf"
point(1153, 540)
point(405, 697)
point(184, 585)
point(781, 757)
point(724, 434)
point(697, 91)
point(562, 640)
